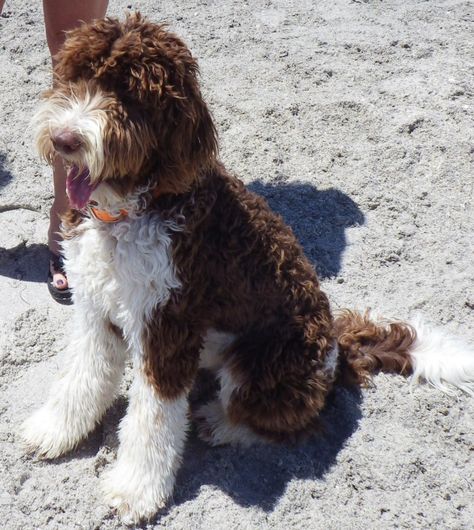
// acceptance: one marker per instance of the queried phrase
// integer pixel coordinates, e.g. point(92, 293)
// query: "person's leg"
point(59, 206)
point(60, 16)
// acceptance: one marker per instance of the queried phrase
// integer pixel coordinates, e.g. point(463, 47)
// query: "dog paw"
point(203, 425)
point(47, 435)
point(214, 427)
point(133, 495)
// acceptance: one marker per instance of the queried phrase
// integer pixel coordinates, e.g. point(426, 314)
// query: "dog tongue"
point(78, 187)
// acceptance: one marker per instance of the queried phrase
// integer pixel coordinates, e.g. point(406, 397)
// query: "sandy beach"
point(355, 120)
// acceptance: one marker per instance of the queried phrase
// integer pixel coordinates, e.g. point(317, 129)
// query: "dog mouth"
point(79, 187)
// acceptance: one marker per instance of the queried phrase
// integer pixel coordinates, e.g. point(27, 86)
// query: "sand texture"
point(355, 120)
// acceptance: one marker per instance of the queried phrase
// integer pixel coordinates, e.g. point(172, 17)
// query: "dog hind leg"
point(213, 423)
point(272, 388)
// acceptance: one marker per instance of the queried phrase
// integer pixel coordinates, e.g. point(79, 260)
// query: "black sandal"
point(61, 296)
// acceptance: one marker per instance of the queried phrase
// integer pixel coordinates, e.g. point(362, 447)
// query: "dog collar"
point(106, 217)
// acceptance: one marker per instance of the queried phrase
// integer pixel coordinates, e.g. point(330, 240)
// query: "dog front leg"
point(86, 388)
point(152, 437)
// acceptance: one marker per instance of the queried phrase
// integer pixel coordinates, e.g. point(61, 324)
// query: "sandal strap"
point(57, 263)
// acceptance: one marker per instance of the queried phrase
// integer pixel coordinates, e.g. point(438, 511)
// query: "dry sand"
point(354, 119)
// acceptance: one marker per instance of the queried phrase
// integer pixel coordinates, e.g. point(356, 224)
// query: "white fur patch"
point(228, 385)
point(444, 361)
point(125, 268)
point(215, 428)
point(109, 200)
point(85, 117)
point(215, 342)
point(119, 274)
point(152, 437)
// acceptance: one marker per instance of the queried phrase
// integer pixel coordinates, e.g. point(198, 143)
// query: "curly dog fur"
point(174, 262)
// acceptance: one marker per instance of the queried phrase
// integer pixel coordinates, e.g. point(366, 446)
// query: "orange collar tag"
point(106, 217)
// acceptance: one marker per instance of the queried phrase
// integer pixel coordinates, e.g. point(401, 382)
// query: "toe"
point(59, 280)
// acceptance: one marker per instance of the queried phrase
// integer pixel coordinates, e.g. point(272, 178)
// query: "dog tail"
point(368, 346)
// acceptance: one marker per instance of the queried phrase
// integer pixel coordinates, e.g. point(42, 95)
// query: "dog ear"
point(83, 52)
point(187, 132)
point(163, 78)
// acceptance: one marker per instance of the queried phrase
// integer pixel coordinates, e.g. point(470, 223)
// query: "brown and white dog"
point(175, 264)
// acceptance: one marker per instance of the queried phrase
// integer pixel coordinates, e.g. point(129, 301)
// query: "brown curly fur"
point(243, 272)
point(367, 347)
point(241, 268)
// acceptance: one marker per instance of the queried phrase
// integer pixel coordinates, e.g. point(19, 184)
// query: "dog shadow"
point(318, 218)
point(254, 476)
point(25, 262)
point(259, 475)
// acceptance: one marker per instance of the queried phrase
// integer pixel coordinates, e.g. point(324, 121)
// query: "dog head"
point(126, 109)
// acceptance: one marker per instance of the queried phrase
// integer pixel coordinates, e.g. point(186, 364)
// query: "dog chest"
point(123, 270)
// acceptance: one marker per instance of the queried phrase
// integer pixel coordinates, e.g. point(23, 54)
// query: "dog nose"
point(66, 142)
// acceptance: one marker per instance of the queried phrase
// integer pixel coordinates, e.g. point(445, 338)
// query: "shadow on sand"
point(318, 218)
point(258, 476)
point(28, 262)
point(25, 262)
